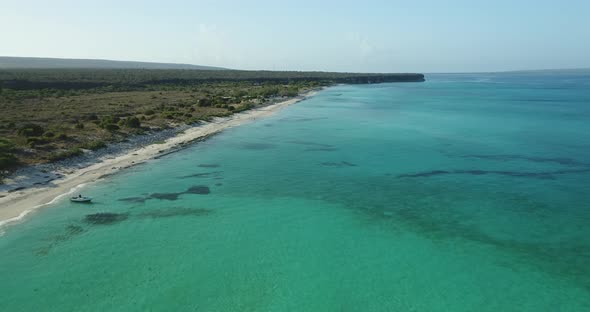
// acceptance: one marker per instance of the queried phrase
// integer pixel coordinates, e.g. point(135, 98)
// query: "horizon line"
point(283, 70)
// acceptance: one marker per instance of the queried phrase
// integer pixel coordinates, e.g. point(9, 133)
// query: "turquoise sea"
point(462, 193)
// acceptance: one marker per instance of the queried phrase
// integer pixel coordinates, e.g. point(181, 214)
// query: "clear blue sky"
point(367, 36)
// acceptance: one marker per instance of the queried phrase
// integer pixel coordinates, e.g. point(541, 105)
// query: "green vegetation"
point(71, 81)
point(30, 130)
point(65, 154)
point(7, 158)
point(50, 114)
point(94, 145)
point(131, 122)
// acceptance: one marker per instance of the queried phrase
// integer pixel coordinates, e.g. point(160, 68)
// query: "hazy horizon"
point(378, 36)
point(574, 69)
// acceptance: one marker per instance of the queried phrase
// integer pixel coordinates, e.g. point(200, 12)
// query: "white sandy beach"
point(15, 205)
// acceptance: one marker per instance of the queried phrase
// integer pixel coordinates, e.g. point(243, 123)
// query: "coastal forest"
point(53, 114)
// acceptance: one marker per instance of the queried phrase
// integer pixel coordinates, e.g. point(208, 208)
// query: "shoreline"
point(16, 204)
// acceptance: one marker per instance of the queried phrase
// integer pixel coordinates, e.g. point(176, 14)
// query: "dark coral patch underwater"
point(165, 196)
point(340, 164)
point(140, 200)
point(559, 160)
point(321, 149)
point(70, 232)
point(196, 189)
point(105, 218)
point(174, 212)
point(202, 175)
point(519, 174)
point(209, 165)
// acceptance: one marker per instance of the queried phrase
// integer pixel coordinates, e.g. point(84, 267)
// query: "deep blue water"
point(464, 193)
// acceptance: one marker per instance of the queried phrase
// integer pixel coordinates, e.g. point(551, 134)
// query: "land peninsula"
point(62, 127)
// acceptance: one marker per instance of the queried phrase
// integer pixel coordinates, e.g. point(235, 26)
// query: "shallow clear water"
point(463, 193)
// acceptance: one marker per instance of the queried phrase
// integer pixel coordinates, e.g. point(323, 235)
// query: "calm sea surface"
point(463, 193)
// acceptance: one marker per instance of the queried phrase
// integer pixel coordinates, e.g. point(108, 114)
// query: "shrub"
point(31, 130)
point(35, 141)
point(204, 102)
point(132, 122)
point(66, 154)
point(243, 108)
point(289, 92)
point(7, 158)
point(79, 126)
point(149, 112)
point(94, 145)
point(168, 115)
point(269, 91)
point(108, 120)
point(111, 127)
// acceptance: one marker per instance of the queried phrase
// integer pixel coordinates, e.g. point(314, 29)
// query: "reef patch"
point(198, 189)
point(175, 212)
point(105, 218)
point(338, 164)
point(209, 166)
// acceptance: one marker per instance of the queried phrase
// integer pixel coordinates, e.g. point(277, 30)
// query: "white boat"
point(81, 199)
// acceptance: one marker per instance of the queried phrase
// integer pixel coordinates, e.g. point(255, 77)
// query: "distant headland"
point(11, 62)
